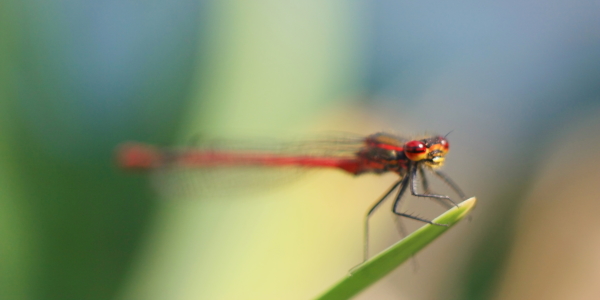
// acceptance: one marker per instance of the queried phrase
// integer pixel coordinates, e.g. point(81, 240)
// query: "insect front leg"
point(450, 183)
point(409, 178)
point(426, 189)
point(413, 189)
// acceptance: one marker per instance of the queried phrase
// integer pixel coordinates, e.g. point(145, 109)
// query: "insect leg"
point(450, 183)
point(399, 197)
point(413, 188)
point(371, 211)
point(425, 184)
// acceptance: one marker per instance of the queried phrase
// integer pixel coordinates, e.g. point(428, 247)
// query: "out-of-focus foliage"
point(515, 81)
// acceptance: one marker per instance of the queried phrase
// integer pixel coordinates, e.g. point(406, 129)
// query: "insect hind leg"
point(370, 213)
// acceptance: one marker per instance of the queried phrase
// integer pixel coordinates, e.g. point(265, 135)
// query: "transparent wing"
point(178, 180)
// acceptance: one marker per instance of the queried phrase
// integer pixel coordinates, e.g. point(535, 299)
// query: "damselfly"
point(377, 153)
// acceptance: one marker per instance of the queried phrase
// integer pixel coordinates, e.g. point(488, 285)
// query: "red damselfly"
point(378, 153)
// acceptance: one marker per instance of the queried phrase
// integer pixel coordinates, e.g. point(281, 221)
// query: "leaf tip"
point(466, 206)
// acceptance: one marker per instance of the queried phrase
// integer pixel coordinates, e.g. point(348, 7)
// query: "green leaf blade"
point(383, 263)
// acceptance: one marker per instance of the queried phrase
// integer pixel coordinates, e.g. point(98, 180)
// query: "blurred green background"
point(517, 82)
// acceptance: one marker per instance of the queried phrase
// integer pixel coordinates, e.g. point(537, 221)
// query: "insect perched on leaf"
point(377, 153)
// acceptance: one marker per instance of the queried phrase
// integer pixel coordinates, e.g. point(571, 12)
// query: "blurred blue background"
point(517, 82)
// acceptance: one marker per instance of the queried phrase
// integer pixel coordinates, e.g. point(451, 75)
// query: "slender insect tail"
point(137, 156)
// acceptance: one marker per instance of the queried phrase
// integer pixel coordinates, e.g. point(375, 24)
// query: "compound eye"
point(444, 143)
point(415, 150)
